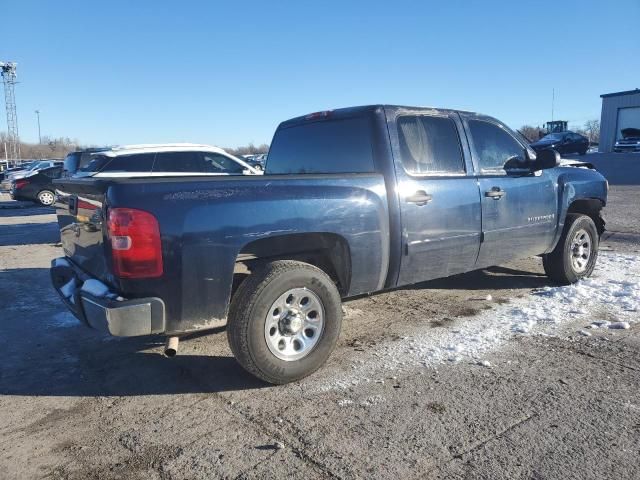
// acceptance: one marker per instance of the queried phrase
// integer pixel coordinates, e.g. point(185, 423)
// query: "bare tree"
point(250, 149)
point(49, 148)
point(531, 133)
point(592, 128)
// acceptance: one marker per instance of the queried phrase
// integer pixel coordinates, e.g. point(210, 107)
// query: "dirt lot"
point(434, 381)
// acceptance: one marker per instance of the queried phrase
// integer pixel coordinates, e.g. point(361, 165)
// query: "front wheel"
point(576, 252)
point(284, 321)
point(46, 198)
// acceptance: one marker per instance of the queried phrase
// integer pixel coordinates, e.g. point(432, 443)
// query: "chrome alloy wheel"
point(581, 250)
point(46, 198)
point(294, 324)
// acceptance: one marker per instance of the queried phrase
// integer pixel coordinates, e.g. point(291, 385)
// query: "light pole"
point(39, 136)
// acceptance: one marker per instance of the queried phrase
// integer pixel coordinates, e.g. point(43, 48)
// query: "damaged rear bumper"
point(94, 304)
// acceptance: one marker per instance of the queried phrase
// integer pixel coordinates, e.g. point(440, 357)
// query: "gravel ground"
point(553, 405)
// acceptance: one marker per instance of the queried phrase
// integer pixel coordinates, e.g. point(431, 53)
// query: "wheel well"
point(592, 207)
point(327, 251)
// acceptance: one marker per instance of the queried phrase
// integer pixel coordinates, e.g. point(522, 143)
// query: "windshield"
point(34, 166)
point(552, 136)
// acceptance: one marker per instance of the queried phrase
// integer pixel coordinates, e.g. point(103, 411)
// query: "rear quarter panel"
point(205, 223)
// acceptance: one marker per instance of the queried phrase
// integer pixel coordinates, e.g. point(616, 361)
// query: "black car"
point(563, 142)
point(37, 187)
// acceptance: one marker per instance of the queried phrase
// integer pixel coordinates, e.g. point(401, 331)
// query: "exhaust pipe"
point(171, 347)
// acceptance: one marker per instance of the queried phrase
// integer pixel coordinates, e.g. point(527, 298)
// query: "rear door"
point(439, 200)
point(518, 206)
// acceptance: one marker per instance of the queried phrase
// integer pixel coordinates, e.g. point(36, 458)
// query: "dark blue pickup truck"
point(352, 201)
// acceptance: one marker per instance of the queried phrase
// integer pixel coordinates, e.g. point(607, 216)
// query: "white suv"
point(164, 160)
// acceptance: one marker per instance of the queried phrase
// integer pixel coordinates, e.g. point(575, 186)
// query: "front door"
point(518, 206)
point(439, 202)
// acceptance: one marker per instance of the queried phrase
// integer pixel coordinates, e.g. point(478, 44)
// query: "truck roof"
point(350, 111)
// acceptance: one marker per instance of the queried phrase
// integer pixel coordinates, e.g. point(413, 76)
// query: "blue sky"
point(227, 73)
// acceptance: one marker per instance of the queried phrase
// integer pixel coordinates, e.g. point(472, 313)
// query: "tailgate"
point(80, 207)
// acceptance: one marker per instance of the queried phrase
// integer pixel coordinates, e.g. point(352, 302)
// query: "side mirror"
point(548, 158)
point(516, 163)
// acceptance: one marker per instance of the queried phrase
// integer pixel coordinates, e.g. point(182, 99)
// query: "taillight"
point(21, 183)
point(135, 243)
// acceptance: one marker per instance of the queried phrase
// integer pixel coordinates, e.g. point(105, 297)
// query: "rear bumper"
point(95, 305)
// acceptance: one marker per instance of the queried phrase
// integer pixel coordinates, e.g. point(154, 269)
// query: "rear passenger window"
point(329, 146)
point(429, 145)
point(179, 162)
point(217, 163)
point(142, 162)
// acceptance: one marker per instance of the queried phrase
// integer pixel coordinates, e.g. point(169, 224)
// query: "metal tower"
point(8, 72)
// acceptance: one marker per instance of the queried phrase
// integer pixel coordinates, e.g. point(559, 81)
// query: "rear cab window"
point(340, 145)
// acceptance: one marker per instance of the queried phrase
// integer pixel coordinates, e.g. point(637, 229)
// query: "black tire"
point(46, 198)
point(248, 315)
point(558, 264)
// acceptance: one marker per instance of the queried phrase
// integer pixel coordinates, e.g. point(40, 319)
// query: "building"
point(619, 110)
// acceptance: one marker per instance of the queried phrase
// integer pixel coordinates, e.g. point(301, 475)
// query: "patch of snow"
point(344, 402)
point(614, 288)
point(61, 262)
point(95, 288)
point(68, 288)
point(489, 298)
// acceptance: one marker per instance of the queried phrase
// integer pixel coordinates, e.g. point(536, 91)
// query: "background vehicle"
point(257, 161)
point(23, 172)
point(563, 142)
point(78, 159)
point(163, 160)
point(37, 187)
point(4, 173)
point(630, 141)
point(353, 201)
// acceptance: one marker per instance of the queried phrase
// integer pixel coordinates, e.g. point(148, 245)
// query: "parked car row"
point(26, 171)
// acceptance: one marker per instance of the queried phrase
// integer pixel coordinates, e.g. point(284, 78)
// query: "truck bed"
point(207, 224)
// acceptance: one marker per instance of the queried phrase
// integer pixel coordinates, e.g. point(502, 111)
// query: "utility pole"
point(8, 72)
point(39, 136)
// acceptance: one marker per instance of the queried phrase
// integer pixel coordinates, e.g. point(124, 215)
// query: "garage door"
point(627, 118)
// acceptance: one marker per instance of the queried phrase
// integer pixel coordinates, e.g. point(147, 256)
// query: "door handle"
point(420, 198)
point(496, 193)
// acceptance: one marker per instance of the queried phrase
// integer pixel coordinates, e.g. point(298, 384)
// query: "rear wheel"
point(576, 253)
point(284, 321)
point(46, 198)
